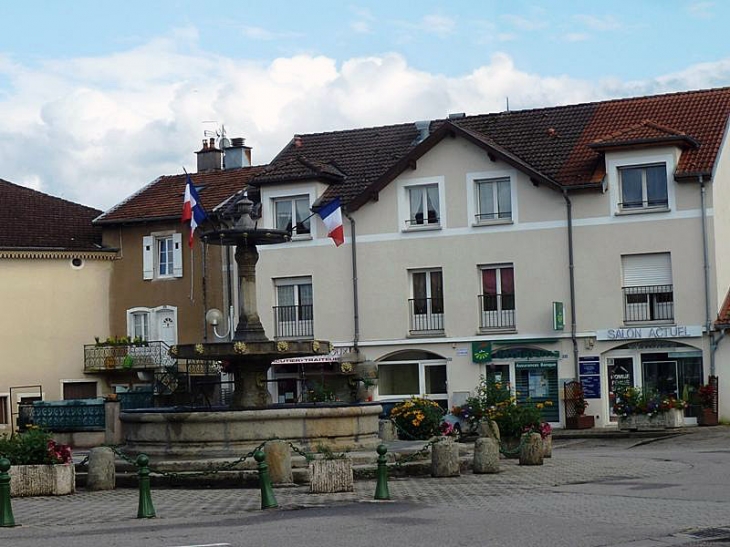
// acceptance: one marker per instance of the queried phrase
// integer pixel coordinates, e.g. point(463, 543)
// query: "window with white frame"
point(493, 199)
point(424, 208)
point(643, 187)
point(153, 324)
point(427, 302)
point(498, 297)
point(162, 256)
point(648, 292)
point(294, 310)
point(410, 373)
point(292, 214)
point(140, 325)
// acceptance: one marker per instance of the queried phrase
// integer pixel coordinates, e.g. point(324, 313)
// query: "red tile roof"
point(559, 143)
point(723, 318)
point(163, 197)
point(33, 220)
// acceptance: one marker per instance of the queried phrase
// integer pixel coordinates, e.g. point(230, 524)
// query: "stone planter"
point(644, 422)
point(531, 450)
point(547, 447)
point(330, 476)
point(42, 480)
point(674, 418)
point(445, 458)
point(510, 447)
point(627, 423)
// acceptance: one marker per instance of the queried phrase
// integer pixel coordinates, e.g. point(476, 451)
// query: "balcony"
point(145, 356)
point(648, 304)
point(293, 322)
point(497, 312)
point(426, 315)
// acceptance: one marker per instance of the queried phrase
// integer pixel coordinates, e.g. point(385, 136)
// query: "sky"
point(99, 98)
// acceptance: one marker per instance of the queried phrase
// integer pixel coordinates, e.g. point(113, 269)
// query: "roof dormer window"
point(644, 187)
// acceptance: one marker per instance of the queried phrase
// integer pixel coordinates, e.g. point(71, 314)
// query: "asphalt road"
point(593, 492)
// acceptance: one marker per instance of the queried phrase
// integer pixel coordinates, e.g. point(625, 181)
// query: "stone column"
point(445, 458)
point(102, 472)
point(278, 456)
point(249, 326)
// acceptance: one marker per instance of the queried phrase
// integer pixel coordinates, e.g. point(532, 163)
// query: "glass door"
point(620, 377)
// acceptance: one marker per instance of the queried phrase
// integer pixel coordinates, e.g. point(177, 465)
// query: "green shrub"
point(33, 447)
point(417, 418)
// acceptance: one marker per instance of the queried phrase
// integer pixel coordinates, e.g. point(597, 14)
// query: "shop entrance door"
point(661, 377)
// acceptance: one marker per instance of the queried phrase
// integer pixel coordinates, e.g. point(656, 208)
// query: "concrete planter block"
point(445, 458)
point(42, 480)
point(627, 423)
point(330, 476)
point(486, 455)
point(278, 456)
point(531, 452)
point(644, 422)
point(674, 418)
point(547, 447)
point(102, 471)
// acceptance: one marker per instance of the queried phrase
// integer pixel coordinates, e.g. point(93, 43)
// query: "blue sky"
point(111, 95)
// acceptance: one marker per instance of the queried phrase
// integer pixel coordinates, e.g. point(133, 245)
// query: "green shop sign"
point(481, 352)
point(525, 353)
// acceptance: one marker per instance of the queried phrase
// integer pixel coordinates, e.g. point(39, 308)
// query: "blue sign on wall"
point(591, 386)
point(588, 369)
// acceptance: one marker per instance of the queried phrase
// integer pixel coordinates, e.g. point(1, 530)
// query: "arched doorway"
point(409, 373)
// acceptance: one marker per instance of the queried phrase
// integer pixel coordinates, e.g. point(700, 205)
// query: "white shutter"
point(646, 270)
point(148, 257)
point(177, 262)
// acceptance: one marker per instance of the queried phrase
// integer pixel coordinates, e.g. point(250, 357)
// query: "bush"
point(34, 447)
point(417, 418)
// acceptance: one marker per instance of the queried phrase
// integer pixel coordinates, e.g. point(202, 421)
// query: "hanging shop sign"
point(558, 316)
point(481, 352)
point(650, 333)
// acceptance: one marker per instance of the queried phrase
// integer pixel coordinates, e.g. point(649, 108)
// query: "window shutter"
point(646, 270)
point(177, 268)
point(148, 262)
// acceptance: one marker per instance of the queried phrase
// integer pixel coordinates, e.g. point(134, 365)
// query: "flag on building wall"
point(192, 208)
point(331, 215)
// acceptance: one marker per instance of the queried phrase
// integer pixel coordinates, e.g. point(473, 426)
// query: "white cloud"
point(523, 23)
point(94, 130)
point(440, 25)
point(364, 19)
point(701, 9)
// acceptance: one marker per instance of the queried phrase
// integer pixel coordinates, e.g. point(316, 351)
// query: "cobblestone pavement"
point(507, 489)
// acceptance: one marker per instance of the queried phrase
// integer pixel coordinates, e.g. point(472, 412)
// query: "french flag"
point(331, 215)
point(192, 209)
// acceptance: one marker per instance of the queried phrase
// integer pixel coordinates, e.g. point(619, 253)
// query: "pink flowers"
point(59, 453)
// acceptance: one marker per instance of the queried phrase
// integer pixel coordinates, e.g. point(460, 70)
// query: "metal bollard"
point(6, 510)
point(381, 488)
point(146, 509)
point(268, 501)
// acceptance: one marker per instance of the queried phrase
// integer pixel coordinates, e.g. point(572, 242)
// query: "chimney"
point(423, 130)
point(298, 141)
point(209, 157)
point(236, 154)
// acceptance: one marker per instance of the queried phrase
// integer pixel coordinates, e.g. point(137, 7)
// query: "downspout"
point(705, 254)
point(571, 276)
point(355, 302)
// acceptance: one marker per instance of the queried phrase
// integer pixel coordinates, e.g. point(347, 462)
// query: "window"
point(427, 304)
point(4, 410)
point(79, 390)
point(494, 200)
point(162, 256)
point(153, 324)
point(647, 287)
point(140, 324)
point(498, 298)
point(294, 310)
point(296, 208)
point(643, 187)
point(424, 205)
point(411, 373)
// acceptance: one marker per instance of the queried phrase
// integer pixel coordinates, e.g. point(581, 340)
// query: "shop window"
point(402, 376)
point(537, 382)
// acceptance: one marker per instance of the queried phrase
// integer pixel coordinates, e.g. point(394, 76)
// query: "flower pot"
point(645, 422)
point(707, 417)
point(333, 475)
point(42, 480)
point(674, 418)
point(580, 422)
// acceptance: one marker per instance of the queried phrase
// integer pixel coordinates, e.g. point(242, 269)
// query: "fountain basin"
point(177, 434)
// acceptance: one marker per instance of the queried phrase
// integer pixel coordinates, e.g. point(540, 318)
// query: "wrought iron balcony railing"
point(497, 311)
point(426, 314)
point(648, 303)
point(294, 321)
point(149, 355)
point(68, 415)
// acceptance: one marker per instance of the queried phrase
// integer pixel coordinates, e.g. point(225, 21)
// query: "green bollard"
point(146, 509)
point(268, 501)
point(6, 510)
point(381, 488)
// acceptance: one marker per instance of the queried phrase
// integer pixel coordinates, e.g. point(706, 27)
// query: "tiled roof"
point(163, 197)
point(723, 318)
point(300, 168)
point(555, 142)
point(33, 220)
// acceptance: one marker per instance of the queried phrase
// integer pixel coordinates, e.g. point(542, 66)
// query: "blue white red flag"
point(331, 215)
point(192, 208)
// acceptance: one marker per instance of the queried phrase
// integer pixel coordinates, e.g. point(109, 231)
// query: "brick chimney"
point(210, 158)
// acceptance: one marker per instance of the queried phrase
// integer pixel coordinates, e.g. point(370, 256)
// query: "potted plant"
point(575, 397)
point(706, 394)
point(39, 465)
point(417, 418)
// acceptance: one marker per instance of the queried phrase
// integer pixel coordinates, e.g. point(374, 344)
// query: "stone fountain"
point(178, 433)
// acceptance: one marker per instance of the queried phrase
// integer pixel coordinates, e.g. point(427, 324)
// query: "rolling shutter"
point(647, 270)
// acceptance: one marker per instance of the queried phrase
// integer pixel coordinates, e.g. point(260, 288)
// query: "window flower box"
point(42, 480)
